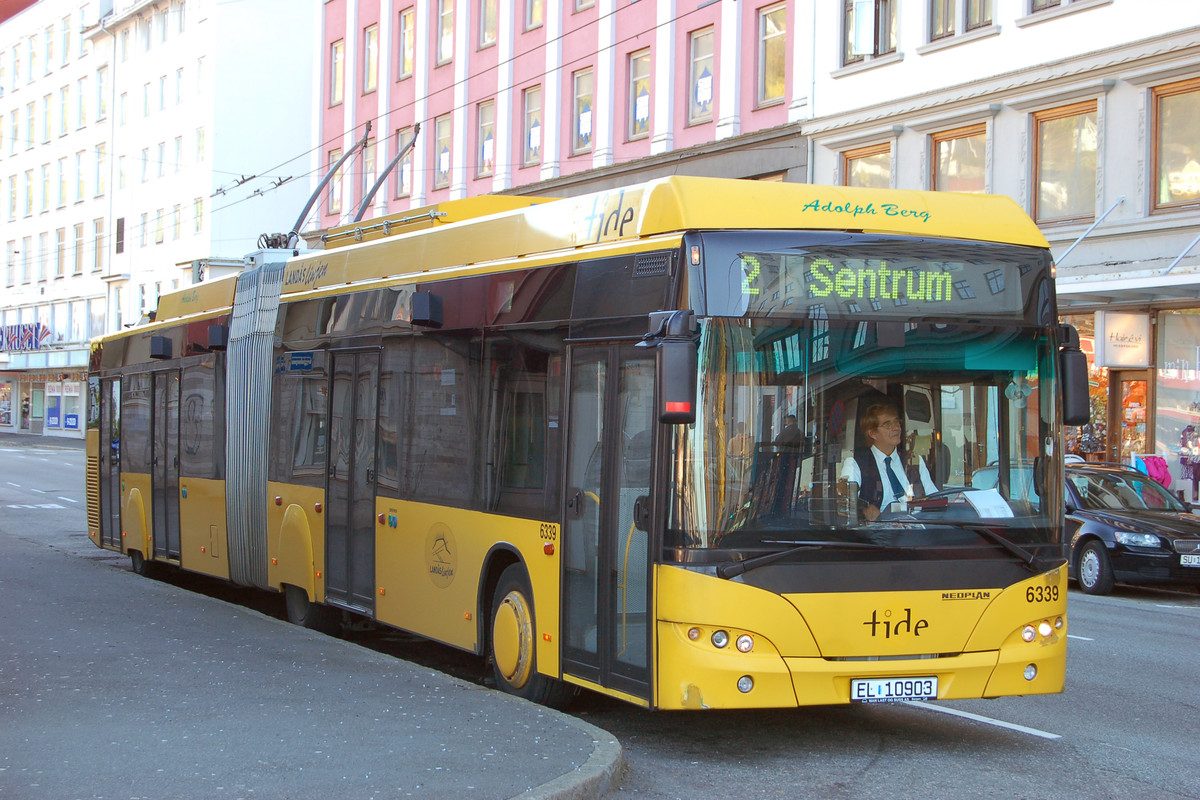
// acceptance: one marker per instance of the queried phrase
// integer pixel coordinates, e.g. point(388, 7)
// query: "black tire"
point(512, 644)
point(307, 614)
point(139, 564)
point(1093, 570)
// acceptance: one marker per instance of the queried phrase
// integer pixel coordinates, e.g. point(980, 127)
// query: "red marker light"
point(678, 407)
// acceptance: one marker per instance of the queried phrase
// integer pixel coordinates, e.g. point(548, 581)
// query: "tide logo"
point(895, 627)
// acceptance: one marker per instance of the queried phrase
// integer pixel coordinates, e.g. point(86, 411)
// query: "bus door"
point(606, 549)
point(110, 462)
point(350, 494)
point(164, 464)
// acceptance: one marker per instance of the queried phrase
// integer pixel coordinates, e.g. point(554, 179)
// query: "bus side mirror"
point(1073, 369)
point(675, 369)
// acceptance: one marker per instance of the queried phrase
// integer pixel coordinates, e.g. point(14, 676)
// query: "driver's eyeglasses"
point(889, 423)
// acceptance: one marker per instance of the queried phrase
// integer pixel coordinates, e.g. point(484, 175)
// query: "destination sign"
point(841, 284)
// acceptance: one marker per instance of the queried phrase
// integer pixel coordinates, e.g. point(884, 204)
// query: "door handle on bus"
point(575, 504)
point(641, 513)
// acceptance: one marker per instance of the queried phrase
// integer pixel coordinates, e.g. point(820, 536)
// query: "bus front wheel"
point(514, 643)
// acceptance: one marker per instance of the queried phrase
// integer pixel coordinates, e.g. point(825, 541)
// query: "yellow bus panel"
point(202, 541)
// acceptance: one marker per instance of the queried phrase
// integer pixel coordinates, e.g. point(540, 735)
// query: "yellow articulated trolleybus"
point(623, 441)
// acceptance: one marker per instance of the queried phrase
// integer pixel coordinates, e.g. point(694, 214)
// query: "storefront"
point(41, 386)
point(1144, 371)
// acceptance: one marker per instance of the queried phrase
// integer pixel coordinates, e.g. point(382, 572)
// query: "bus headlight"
point(745, 643)
point(1030, 672)
point(720, 639)
point(1028, 633)
point(745, 684)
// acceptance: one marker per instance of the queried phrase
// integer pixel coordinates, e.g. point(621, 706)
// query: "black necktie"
point(897, 487)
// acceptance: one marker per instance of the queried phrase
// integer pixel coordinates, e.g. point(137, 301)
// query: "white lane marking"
point(1172, 605)
point(17, 485)
point(69, 500)
point(986, 720)
point(1073, 636)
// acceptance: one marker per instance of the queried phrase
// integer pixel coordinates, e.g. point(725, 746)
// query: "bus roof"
point(479, 231)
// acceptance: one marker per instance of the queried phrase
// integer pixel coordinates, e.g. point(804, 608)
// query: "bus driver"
point(879, 469)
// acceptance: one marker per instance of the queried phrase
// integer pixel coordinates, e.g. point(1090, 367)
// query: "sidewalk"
point(33, 440)
point(118, 686)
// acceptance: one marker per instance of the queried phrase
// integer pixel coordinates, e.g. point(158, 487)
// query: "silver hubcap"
point(1089, 568)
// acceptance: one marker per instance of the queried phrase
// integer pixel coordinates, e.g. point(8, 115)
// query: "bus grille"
point(93, 496)
point(651, 264)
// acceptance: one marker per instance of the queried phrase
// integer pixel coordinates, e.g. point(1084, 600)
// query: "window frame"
point(955, 134)
point(337, 73)
point(333, 204)
point(883, 21)
point(1158, 94)
point(696, 114)
point(406, 41)
point(635, 78)
point(765, 44)
point(444, 33)
point(443, 143)
point(370, 80)
point(531, 118)
point(485, 127)
point(403, 182)
point(489, 23)
point(1040, 118)
point(867, 151)
point(583, 103)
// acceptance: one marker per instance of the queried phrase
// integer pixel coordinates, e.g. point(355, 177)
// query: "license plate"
point(1189, 561)
point(892, 690)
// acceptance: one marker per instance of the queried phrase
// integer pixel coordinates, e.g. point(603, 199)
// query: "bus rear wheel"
point(513, 643)
point(307, 614)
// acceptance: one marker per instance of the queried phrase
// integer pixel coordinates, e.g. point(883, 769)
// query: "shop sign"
point(1122, 339)
point(23, 336)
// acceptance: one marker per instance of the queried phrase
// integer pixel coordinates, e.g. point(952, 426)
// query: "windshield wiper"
point(739, 567)
point(1028, 560)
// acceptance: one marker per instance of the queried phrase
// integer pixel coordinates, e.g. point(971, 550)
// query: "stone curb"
point(596, 777)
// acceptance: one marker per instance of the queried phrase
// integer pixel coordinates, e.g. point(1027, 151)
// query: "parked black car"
point(1124, 526)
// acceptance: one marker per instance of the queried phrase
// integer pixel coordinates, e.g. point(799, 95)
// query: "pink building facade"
point(552, 97)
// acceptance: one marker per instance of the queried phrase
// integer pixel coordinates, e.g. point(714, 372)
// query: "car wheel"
point(1094, 569)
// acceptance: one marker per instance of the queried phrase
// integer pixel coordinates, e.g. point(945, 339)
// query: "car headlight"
point(1138, 539)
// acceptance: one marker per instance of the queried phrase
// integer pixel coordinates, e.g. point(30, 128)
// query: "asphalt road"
point(1127, 725)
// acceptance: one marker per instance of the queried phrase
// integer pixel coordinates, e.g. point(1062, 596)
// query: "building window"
point(198, 215)
point(445, 32)
point(407, 40)
point(119, 241)
point(870, 27)
point(535, 13)
point(1176, 144)
point(45, 119)
point(81, 103)
point(1066, 140)
point(868, 167)
point(98, 244)
point(144, 230)
point(101, 169)
point(639, 94)
point(487, 22)
point(580, 5)
point(334, 205)
point(700, 94)
point(44, 185)
point(102, 93)
point(532, 140)
point(78, 231)
point(959, 159)
point(944, 17)
point(337, 72)
point(772, 54)
point(404, 137)
point(80, 177)
point(581, 139)
point(60, 252)
point(487, 138)
point(441, 150)
point(64, 110)
point(176, 221)
point(159, 223)
point(370, 59)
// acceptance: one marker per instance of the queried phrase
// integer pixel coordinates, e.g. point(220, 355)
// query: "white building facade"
point(151, 149)
point(1087, 113)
